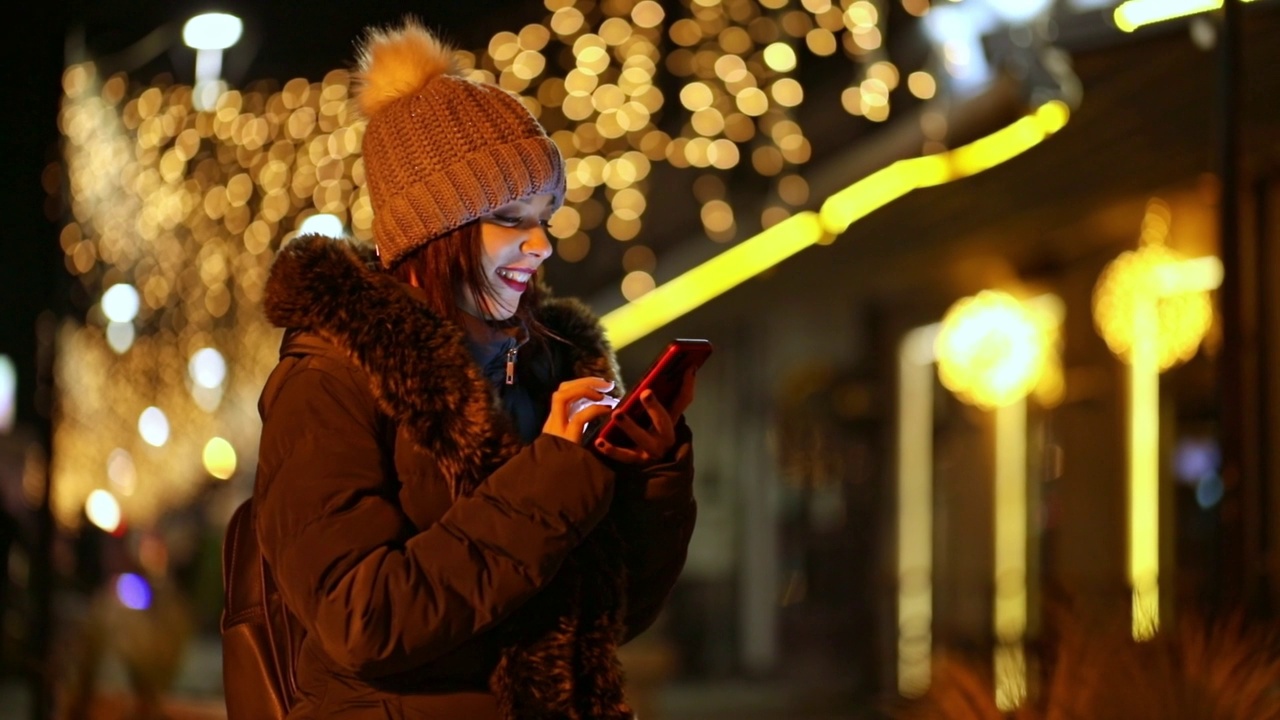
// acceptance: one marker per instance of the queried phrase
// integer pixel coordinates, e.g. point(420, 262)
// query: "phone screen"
point(664, 377)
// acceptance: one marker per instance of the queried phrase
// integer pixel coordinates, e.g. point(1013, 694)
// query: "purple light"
point(133, 591)
point(1195, 459)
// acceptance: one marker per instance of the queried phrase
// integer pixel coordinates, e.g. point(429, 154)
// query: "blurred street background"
point(992, 284)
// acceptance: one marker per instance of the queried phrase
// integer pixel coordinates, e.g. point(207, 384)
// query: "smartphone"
point(664, 378)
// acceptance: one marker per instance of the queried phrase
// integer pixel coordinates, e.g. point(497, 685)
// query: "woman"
point(423, 497)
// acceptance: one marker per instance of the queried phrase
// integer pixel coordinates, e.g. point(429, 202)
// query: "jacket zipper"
point(511, 365)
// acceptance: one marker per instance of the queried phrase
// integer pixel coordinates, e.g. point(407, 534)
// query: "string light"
point(184, 208)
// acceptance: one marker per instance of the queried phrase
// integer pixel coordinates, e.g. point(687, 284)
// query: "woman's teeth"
point(514, 275)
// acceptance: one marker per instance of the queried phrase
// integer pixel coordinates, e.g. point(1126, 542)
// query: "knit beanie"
point(441, 150)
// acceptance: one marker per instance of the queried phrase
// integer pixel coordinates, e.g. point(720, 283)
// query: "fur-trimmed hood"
point(422, 373)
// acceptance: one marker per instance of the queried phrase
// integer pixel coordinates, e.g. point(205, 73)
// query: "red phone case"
point(663, 377)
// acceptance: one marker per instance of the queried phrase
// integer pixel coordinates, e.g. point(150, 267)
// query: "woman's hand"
point(576, 403)
point(654, 443)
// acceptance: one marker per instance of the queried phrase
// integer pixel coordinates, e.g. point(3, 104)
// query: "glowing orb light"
point(991, 349)
point(1177, 286)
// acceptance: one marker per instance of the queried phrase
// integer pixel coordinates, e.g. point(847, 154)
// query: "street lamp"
point(209, 34)
point(992, 350)
point(1152, 307)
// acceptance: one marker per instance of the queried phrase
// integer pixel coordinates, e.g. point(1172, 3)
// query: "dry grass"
point(1224, 671)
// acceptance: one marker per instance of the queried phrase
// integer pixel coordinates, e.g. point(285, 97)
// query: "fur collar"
point(422, 374)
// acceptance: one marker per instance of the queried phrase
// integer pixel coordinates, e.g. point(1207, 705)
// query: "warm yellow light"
point(1144, 468)
point(712, 278)
point(880, 188)
point(780, 57)
point(915, 511)
point(851, 204)
point(838, 212)
point(102, 510)
point(992, 349)
point(1179, 289)
point(696, 96)
point(636, 283)
point(647, 14)
point(1010, 572)
point(219, 458)
point(1010, 141)
point(1152, 307)
point(1133, 14)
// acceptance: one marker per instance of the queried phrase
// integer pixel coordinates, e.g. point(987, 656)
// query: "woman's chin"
point(500, 311)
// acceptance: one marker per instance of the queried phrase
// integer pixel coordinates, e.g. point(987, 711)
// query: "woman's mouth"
point(515, 278)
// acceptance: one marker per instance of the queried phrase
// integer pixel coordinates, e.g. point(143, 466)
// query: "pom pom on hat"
point(396, 62)
point(441, 150)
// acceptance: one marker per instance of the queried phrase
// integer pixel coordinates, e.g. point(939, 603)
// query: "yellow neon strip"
point(1010, 602)
point(718, 275)
point(770, 247)
point(880, 188)
point(915, 511)
point(1144, 463)
point(1135, 13)
point(1008, 142)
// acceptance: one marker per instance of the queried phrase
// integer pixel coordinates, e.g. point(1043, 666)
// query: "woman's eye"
point(506, 220)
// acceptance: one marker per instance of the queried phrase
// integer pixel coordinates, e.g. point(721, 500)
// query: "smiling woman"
point(438, 532)
point(486, 270)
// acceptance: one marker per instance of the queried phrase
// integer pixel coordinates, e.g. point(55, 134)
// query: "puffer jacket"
point(440, 568)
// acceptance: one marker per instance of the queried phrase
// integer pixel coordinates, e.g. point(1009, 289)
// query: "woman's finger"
point(578, 405)
point(622, 455)
point(660, 420)
point(569, 399)
point(580, 419)
point(685, 398)
point(644, 440)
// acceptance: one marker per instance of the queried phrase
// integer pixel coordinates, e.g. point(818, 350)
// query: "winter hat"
point(441, 150)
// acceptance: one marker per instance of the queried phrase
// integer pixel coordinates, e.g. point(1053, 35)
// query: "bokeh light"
point(153, 426)
point(175, 213)
point(102, 509)
point(991, 349)
point(207, 368)
point(133, 591)
point(219, 458)
point(120, 303)
point(1152, 274)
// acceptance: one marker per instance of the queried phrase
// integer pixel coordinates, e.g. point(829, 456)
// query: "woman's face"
point(514, 240)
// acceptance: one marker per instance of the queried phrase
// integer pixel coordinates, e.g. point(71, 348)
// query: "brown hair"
point(454, 260)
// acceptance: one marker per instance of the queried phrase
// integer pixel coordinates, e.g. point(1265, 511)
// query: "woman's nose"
point(537, 243)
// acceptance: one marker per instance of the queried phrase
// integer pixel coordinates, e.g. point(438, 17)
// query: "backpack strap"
point(260, 637)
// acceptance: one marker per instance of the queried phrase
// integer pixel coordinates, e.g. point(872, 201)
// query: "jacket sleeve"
point(656, 514)
point(381, 596)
